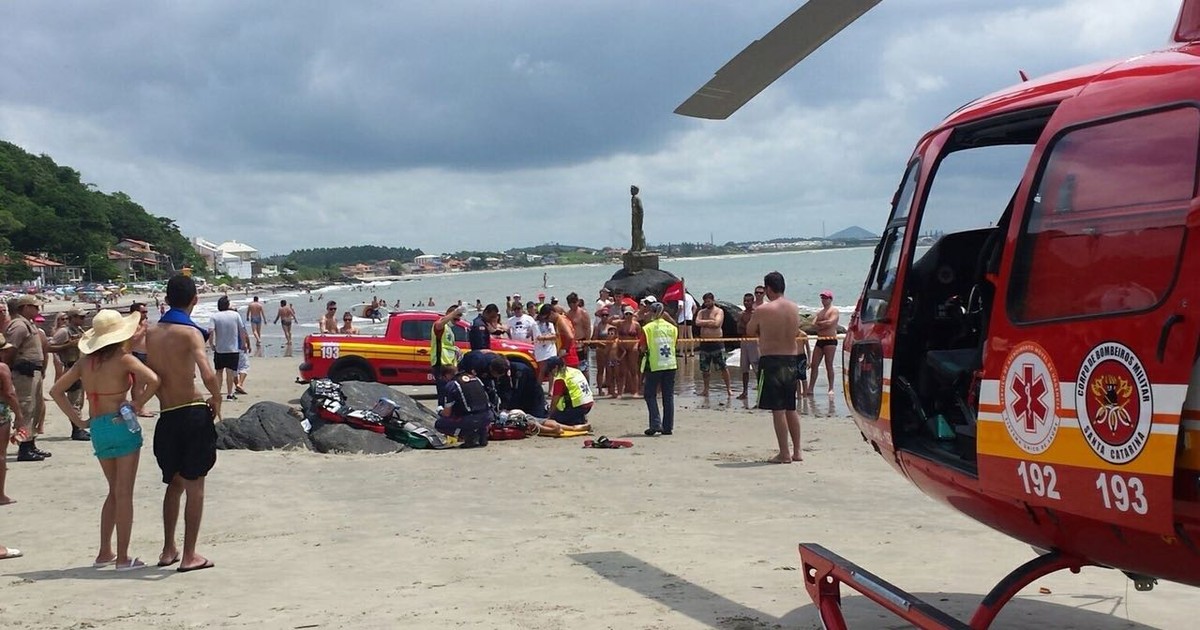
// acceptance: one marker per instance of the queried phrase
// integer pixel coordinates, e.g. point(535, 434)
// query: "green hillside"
point(45, 208)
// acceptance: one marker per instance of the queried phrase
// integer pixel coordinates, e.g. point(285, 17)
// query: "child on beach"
point(109, 373)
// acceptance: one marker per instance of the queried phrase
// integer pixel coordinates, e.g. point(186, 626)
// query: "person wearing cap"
point(570, 395)
point(517, 386)
point(657, 345)
point(541, 301)
point(65, 346)
point(28, 368)
point(486, 325)
point(185, 440)
point(604, 301)
point(520, 326)
point(442, 351)
point(8, 402)
point(826, 322)
point(467, 411)
point(644, 314)
point(109, 376)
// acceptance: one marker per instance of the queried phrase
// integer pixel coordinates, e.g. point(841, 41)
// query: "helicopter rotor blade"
point(767, 59)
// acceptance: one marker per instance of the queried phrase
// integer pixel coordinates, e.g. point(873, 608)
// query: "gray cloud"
point(304, 124)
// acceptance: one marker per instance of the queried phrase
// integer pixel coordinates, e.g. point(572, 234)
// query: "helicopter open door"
point(1094, 338)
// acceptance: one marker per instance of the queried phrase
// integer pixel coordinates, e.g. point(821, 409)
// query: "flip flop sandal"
point(604, 442)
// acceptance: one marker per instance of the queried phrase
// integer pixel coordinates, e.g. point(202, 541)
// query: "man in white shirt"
point(521, 326)
point(229, 336)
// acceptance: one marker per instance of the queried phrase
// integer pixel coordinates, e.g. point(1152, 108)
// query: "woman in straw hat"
point(109, 373)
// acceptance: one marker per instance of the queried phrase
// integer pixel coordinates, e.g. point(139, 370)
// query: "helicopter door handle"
point(1175, 318)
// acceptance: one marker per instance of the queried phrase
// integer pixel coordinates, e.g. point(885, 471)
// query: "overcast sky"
point(485, 125)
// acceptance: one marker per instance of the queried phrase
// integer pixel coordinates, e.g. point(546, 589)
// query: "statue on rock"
point(639, 237)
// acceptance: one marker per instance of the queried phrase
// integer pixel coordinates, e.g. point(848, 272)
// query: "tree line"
point(46, 208)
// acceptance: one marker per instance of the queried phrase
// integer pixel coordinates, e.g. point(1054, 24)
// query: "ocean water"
point(807, 273)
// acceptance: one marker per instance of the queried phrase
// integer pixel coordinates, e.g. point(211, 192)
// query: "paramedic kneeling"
point(570, 395)
point(467, 412)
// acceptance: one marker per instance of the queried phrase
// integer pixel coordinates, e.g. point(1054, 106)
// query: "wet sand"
point(692, 530)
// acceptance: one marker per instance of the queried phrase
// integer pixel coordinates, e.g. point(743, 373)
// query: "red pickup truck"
point(400, 356)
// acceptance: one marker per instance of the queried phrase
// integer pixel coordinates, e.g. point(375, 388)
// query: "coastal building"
point(44, 269)
point(234, 259)
point(428, 260)
point(136, 259)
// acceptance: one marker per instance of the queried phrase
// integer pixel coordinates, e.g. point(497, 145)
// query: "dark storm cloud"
point(369, 85)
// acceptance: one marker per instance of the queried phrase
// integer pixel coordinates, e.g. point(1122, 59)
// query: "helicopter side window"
point(1107, 226)
point(887, 256)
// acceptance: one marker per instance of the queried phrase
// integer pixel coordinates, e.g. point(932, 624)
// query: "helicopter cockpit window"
point(1106, 228)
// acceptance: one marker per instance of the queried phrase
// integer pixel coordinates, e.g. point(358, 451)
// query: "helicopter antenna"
point(767, 59)
point(1024, 77)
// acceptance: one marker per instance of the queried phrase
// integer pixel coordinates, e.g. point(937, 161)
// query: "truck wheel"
point(351, 372)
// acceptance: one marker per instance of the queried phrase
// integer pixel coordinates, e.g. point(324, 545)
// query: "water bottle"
point(130, 418)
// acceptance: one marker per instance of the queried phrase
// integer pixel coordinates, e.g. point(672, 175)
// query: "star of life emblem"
point(1030, 398)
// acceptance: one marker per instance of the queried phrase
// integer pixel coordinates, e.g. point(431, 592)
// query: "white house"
point(231, 258)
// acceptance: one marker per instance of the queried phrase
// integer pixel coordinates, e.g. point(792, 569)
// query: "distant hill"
point(852, 233)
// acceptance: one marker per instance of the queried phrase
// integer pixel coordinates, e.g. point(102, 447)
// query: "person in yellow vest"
point(657, 344)
point(570, 395)
point(442, 350)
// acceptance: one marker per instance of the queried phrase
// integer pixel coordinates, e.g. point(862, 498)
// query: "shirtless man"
point(582, 323)
point(826, 322)
point(328, 322)
point(184, 438)
point(749, 348)
point(284, 317)
point(775, 324)
point(710, 319)
point(256, 314)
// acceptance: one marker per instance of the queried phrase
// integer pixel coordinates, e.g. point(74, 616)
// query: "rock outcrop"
point(265, 426)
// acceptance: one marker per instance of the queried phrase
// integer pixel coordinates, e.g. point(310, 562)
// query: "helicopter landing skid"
point(825, 572)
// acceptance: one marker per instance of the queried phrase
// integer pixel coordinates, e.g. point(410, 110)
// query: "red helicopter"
point(1030, 360)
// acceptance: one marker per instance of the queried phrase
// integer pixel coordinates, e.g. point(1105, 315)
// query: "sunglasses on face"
point(759, 292)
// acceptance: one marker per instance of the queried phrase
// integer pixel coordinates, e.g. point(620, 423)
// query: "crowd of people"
point(622, 347)
point(115, 368)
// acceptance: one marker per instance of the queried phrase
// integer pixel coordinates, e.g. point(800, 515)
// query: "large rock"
point(265, 426)
point(341, 438)
point(642, 283)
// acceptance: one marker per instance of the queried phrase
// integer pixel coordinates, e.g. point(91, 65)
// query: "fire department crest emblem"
point(1030, 398)
point(1114, 402)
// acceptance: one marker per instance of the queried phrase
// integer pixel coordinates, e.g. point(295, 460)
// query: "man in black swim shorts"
point(777, 325)
point(184, 438)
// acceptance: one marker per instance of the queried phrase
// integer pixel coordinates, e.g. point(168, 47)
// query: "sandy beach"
point(684, 531)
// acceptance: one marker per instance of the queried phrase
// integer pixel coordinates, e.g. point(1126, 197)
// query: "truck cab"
point(400, 356)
